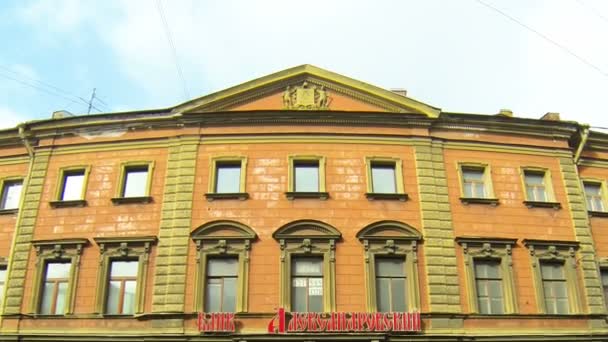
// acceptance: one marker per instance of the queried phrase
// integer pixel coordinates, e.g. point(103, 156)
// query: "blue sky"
point(459, 55)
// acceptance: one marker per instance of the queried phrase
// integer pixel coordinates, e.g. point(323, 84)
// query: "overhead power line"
point(545, 37)
point(39, 82)
point(593, 10)
point(102, 103)
point(180, 74)
point(47, 91)
point(48, 88)
point(101, 100)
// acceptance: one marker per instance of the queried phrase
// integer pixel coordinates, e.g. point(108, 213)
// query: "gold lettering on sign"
point(306, 97)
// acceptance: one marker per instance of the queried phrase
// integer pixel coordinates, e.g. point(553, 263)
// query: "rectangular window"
point(384, 179)
point(488, 282)
point(55, 288)
point(555, 287)
point(2, 281)
point(11, 194)
point(228, 177)
point(135, 181)
point(72, 185)
point(306, 176)
point(593, 194)
point(604, 274)
point(390, 285)
point(473, 182)
point(122, 285)
point(221, 285)
point(535, 186)
point(307, 284)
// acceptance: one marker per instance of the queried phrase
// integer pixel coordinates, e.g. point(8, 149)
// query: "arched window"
point(222, 272)
point(391, 266)
point(308, 269)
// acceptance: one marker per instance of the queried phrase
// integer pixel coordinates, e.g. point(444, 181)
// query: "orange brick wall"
point(599, 225)
point(510, 218)
point(268, 209)
point(100, 218)
point(7, 222)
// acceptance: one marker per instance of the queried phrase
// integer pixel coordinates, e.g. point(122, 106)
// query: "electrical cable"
point(593, 10)
point(39, 88)
point(545, 37)
point(39, 85)
point(180, 75)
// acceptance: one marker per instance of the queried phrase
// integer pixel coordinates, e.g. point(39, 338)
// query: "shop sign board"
point(317, 322)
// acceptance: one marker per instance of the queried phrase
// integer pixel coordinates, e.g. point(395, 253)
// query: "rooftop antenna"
point(91, 101)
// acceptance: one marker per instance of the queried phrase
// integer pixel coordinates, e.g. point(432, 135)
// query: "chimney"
point(551, 116)
point(506, 112)
point(60, 114)
point(400, 91)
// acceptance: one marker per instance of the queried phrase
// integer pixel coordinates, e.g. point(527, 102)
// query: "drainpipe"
point(26, 142)
point(11, 260)
point(581, 145)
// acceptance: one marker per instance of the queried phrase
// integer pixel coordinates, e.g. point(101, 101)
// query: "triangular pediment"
point(306, 87)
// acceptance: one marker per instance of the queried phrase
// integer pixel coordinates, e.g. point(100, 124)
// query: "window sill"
point(130, 200)
point(227, 195)
point(536, 204)
point(38, 315)
point(477, 200)
point(9, 211)
point(380, 196)
point(526, 316)
point(119, 316)
point(597, 213)
point(320, 195)
point(67, 204)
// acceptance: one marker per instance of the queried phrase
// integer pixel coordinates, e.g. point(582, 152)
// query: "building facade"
point(303, 206)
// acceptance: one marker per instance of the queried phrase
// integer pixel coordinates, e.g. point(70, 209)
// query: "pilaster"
point(582, 232)
point(438, 234)
point(174, 231)
point(24, 232)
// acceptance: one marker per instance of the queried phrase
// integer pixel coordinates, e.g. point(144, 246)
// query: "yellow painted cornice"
point(302, 71)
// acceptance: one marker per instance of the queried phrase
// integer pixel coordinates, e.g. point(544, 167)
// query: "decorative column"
point(24, 231)
point(439, 251)
point(175, 226)
point(582, 232)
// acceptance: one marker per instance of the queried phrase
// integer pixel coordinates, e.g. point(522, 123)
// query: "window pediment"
point(478, 251)
point(61, 251)
point(57, 249)
point(552, 250)
point(547, 252)
point(223, 238)
point(308, 238)
point(389, 230)
point(307, 229)
point(390, 239)
point(486, 247)
point(223, 230)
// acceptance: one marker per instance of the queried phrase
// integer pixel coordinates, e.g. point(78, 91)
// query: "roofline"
point(307, 69)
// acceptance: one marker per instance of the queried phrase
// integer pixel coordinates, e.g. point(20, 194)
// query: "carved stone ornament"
point(306, 97)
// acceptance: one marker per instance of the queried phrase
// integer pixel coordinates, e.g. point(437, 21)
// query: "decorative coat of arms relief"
point(306, 97)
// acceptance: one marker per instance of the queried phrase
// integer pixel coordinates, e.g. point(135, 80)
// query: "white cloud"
point(10, 118)
point(15, 78)
point(460, 56)
point(25, 70)
point(54, 15)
